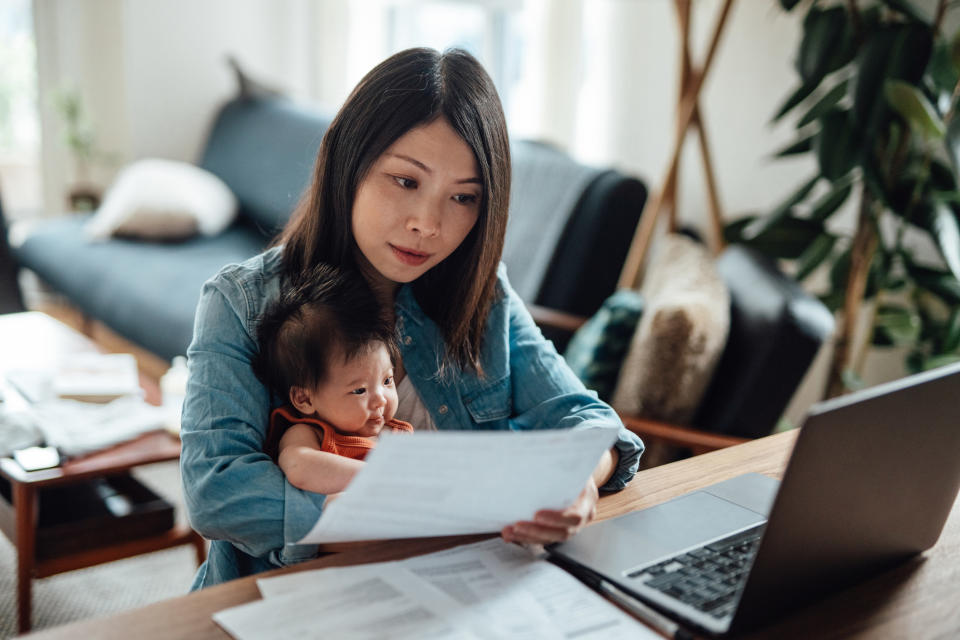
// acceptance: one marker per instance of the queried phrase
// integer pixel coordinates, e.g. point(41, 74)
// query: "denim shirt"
point(238, 498)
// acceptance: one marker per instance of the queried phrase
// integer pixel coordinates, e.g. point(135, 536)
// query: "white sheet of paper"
point(495, 589)
point(449, 483)
point(361, 605)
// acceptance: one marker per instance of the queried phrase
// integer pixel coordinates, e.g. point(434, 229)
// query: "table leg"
point(25, 506)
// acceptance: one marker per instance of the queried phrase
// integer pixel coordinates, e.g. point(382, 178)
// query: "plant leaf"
point(906, 8)
point(814, 255)
point(733, 231)
point(822, 36)
point(789, 238)
point(955, 50)
point(941, 177)
point(910, 103)
point(940, 361)
point(943, 70)
point(799, 95)
point(824, 104)
point(951, 333)
point(784, 208)
point(831, 201)
point(797, 147)
point(836, 145)
point(946, 234)
point(938, 282)
point(899, 52)
point(952, 143)
point(901, 325)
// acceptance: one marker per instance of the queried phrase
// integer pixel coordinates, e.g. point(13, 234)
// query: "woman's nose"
point(425, 220)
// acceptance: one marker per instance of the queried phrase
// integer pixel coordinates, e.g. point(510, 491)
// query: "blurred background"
point(596, 77)
point(88, 87)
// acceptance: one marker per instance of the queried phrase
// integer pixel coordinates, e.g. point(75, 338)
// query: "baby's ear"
point(300, 399)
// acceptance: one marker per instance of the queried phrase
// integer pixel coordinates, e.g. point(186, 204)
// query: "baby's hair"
point(331, 313)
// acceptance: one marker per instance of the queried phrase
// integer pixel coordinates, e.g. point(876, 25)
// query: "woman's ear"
point(301, 401)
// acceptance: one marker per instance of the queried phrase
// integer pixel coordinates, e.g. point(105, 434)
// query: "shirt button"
point(407, 340)
point(442, 410)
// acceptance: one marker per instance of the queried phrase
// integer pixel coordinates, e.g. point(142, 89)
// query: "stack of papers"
point(97, 377)
point(76, 428)
point(86, 377)
point(488, 589)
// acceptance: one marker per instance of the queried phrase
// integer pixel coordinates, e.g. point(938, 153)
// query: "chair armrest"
point(562, 321)
point(698, 441)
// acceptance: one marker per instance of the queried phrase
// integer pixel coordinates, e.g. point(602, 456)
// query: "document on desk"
point(450, 483)
point(490, 589)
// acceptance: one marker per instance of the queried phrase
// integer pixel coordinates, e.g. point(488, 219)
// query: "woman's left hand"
point(551, 525)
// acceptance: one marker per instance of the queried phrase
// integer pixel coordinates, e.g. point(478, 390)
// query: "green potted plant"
point(878, 94)
point(78, 136)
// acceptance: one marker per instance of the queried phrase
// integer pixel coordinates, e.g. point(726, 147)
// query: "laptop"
point(870, 483)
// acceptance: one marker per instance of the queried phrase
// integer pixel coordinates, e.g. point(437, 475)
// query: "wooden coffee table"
point(31, 340)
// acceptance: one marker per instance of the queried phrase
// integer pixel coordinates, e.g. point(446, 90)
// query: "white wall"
point(152, 72)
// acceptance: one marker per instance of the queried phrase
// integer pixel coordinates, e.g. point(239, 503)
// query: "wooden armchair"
point(558, 323)
point(776, 329)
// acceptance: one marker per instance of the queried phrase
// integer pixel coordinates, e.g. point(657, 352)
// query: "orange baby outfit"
point(356, 447)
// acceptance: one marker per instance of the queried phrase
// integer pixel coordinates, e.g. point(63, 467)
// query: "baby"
point(326, 348)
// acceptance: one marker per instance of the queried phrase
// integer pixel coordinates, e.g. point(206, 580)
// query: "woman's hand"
point(551, 525)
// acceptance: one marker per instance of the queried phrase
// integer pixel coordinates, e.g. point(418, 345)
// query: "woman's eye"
point(465, 198)
point(406, 183)
point(359, 391)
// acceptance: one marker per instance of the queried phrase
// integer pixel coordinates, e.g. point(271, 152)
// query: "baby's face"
point(359, 396)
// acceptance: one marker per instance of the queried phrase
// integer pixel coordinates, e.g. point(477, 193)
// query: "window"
point(491, 30)
point(19, 119)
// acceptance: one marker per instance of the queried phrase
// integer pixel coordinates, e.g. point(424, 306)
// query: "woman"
point(411, 189)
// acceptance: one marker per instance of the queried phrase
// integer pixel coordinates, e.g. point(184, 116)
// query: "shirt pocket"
point(489, 401)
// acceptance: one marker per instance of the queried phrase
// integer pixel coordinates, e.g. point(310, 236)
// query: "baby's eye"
point(359, 391)
point(388, 381)
point(465, 198)
point(406, 183)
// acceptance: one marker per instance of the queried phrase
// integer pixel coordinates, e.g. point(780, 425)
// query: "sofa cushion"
point(264, 149)
point(157, 199)
point(678, 343)
point(146, 291)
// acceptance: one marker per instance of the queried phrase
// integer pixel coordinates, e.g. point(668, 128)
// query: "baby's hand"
point(551, 525)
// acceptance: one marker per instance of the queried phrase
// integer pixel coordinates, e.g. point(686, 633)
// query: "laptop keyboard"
point(707, 578)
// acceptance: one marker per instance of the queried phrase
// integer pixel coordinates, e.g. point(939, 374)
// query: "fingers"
point(551, 525)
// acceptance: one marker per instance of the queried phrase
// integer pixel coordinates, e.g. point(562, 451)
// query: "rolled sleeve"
point(630, 447)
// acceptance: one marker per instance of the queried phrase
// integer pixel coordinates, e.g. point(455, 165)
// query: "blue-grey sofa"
point(570, 228)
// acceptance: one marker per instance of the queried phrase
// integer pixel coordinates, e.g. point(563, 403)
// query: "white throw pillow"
point(158, 199)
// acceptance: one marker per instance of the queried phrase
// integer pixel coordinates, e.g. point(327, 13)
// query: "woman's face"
point(417, 203)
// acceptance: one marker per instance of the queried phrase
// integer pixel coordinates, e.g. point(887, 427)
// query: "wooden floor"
point(151, 365)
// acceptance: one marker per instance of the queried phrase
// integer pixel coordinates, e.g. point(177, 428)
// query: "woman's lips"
point(411, 257)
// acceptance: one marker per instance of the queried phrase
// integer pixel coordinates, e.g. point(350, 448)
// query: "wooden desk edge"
point(190, 615)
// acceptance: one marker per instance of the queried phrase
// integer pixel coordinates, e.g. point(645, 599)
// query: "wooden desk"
point(917, 600)
point(33, 339)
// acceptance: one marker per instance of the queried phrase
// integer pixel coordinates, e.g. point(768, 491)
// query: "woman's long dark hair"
point(409, 89)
